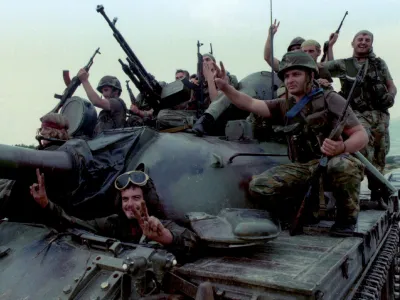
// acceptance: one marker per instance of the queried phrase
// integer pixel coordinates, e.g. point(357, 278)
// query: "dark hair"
point(183, 71)
point(150, 197)
point(193, 76)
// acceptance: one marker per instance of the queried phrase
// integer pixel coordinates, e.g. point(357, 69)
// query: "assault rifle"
point(131, 95)
point(72, 85)
point(211, 50)
point(200, 76)
point(313, 190)
point(158, 97)
point(326, 44)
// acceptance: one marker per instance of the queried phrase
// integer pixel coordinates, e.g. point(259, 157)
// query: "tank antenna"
point(272, 55)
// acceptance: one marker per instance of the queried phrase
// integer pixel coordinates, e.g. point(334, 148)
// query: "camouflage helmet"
point(296, 59)
point(109, 81)
point(297, 41)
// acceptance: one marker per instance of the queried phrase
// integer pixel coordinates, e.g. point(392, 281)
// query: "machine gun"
point(314, 181)
point(158, 97)
point(131, 95)
point(72, 85)
point(326, 44)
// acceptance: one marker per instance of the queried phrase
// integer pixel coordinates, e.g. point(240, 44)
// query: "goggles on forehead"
point(138, 178)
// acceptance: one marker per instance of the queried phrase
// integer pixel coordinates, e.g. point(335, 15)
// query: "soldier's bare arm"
point(274, 63)
point(91, 93)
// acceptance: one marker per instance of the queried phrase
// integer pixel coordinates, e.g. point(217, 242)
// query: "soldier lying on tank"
point(371, 101)
point(113, 114)
point(12, 192)
point(54, 126)
point(132, 221)
point(313, 113)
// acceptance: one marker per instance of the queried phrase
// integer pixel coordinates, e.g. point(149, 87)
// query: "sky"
point(42, 38)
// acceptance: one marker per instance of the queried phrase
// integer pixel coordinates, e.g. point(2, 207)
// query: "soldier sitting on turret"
point(314, 113)
point(131, 222)
point(114, 108)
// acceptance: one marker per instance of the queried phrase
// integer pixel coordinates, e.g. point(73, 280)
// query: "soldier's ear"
point(352, 44)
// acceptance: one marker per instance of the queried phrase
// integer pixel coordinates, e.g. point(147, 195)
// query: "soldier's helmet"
point(109, 81)
point(296, 60)
point(297, 41)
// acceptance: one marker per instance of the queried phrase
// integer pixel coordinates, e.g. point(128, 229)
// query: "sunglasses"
point(138, 178)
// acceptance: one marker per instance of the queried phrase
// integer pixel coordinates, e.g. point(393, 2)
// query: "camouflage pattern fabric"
point(343, 177)
point(376, 123)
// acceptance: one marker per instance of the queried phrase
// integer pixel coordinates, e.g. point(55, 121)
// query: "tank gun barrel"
point(17, 161)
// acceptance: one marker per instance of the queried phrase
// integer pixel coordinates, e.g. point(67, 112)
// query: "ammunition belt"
point(375, 279)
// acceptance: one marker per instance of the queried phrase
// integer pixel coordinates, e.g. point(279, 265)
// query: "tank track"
point(374, 280)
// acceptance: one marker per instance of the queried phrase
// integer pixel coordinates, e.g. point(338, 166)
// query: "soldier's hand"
point(208, 71)
point(274, 27)
point(134, 109)
point(83, 75)
point(323, 82)
point(151, 226)
point(38, 190)
point(332, 39)
point(333, 148)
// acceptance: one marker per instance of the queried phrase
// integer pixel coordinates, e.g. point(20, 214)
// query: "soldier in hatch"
point(316, 116)
point(113, 114)
point(180, 74)
point(371, 101)
point(133, 219)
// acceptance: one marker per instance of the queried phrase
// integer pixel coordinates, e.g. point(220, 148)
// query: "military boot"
point(376, 196)
point(343, 227)
point(204, 125)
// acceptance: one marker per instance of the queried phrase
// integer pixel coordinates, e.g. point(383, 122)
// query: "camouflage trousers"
point(343, 177)
point(376, 123)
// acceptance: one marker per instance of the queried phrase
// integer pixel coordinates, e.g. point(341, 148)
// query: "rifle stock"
point(72, 85)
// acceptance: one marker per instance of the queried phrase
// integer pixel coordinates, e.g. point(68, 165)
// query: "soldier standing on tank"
point(315, 117)
point(132, 220)
point(113, 114)
point(371, 100)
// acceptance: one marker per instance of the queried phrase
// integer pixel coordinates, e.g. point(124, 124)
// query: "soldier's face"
point(295, 81)
point(313, 51)
point(107, 91)
point(132, 199)
point(362, 43)
point(179, 76)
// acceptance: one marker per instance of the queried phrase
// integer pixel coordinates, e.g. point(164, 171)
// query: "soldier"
point(218, 104)
point(314, 117)
point(180, 74)
point(313, 48)
point(113, 114)
point(370, 101)
point(51, 135)
point(131, 222)
point(54, 126)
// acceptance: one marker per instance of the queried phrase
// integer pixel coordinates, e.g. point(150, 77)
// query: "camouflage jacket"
point(113, 118)
point(119, 227)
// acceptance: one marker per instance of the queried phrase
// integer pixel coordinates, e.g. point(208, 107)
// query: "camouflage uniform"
point(370, 103)
point(313, 124)
point(116, 116)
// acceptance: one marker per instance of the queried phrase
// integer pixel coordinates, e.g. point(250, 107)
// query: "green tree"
point(26, 146)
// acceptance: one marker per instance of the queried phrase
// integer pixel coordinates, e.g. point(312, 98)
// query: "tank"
point(202, 183)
